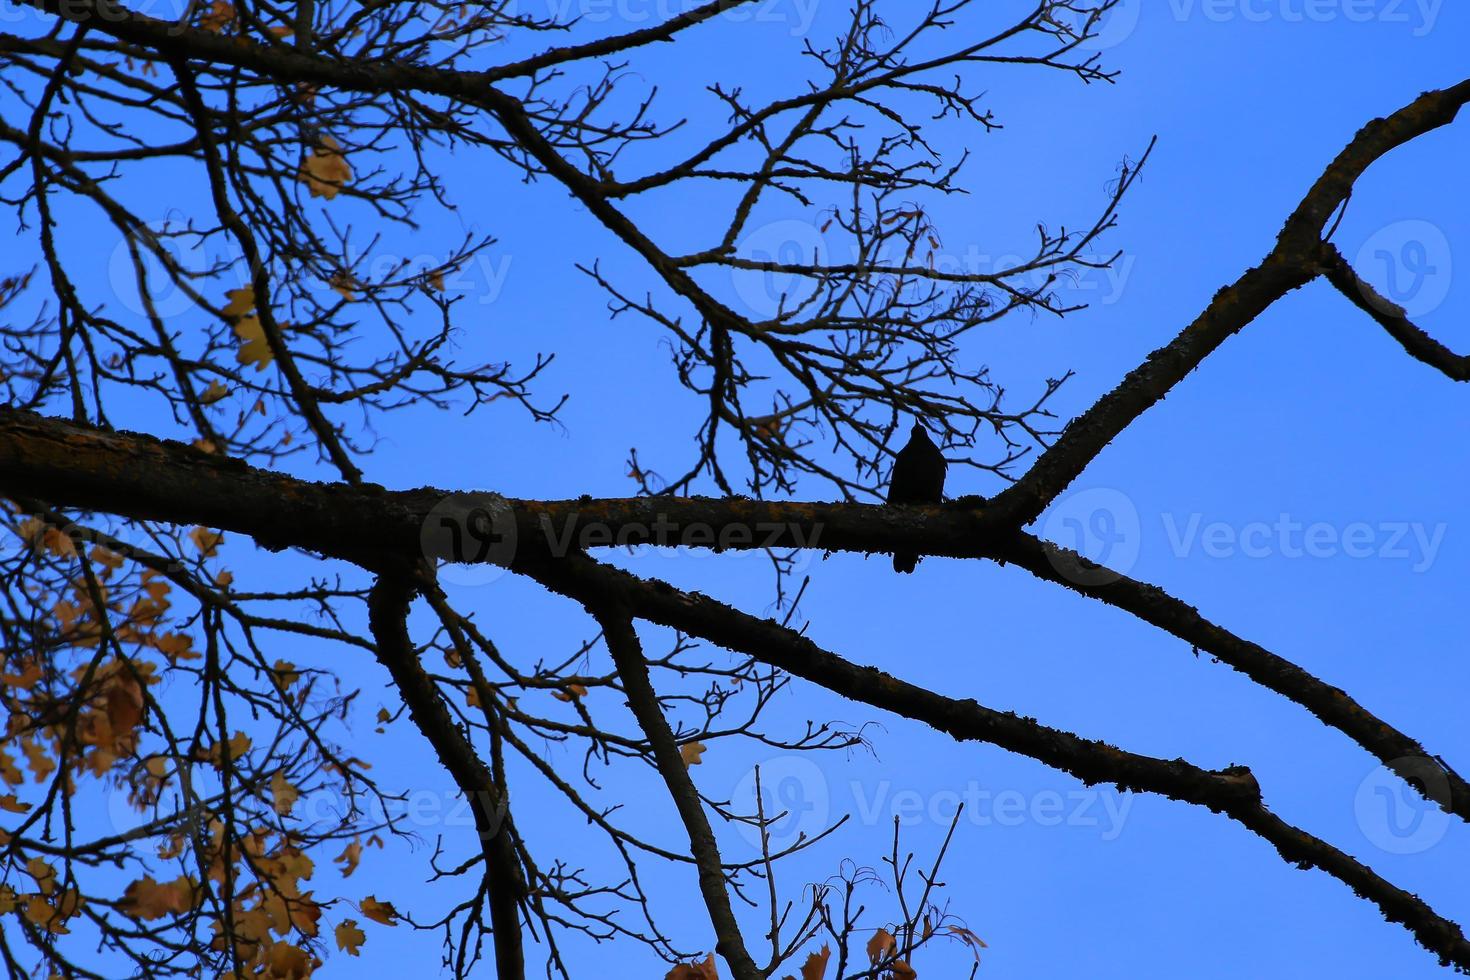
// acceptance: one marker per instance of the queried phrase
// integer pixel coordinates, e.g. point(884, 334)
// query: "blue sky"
point(1311, 413)
point(1304, 488)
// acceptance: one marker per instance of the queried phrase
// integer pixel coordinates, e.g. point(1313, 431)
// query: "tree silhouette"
point(142, 445)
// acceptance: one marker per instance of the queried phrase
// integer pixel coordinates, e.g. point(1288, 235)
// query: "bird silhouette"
point(918, 478)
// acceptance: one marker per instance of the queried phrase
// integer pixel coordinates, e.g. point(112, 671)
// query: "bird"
point(918, 478)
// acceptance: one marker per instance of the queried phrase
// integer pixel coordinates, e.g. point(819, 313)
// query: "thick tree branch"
point(388, 612)
point(1232, 791)
point(1292, 263)
point(144, 477)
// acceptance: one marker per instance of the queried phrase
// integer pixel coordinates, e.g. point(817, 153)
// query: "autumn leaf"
point(703, 970)
point(40, 761)
point(287, 962)
point(213, 393)
point(44, 874)
point(815, 966)
point(206, 541)
point(283, 794)
point(148, 900)
point(902, 971)
point(105, 557)
point(690, 752)
point(12, 803)
point(968, 938)
point(218, 15)
point(344, 284)
point(325, 170)
point(350, 856)
point(285, 673)
point(383, 912)
point(880, 945)
point(570, 692)
point(349, 936)
point(239, 301)
point(253, 346)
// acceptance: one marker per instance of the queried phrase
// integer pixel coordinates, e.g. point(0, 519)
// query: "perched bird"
point(918, 478)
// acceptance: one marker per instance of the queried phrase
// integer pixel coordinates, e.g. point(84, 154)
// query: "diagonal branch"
point(1232, 791)
point(1291, 264)
point(1391, 317)
point(627, 654)
point(388, 607)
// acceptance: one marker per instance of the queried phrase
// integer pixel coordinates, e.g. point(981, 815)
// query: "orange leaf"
point(880, 945)
point(815, 966)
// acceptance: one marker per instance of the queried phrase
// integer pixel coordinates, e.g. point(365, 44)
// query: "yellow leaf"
point(286, 673)
point(349, 936)
point(213, 393)
point(44, 874)
point(253, 346)
point(690, 752)
point(350, 856)
point(40, 761)
point(12, 803)
point(283, 794)
point(383, 912)
point(325, 170)
point(241, 301)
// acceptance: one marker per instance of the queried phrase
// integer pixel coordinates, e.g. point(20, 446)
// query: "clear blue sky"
point(1311, 417)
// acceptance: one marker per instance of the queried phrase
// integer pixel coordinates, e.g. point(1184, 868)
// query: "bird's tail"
point(905, 561)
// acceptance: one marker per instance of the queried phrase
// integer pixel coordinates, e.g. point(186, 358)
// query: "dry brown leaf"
point(815, 966)
point(349, 858)
point(880, 945)
point(349, 936)
point(383, 912)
